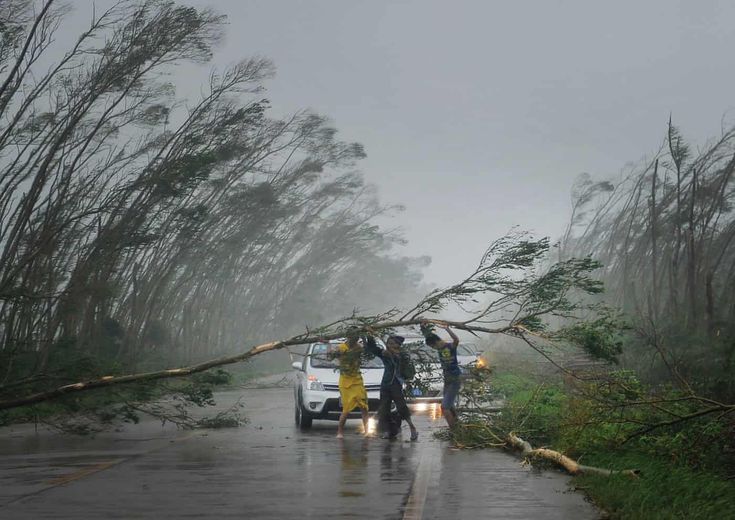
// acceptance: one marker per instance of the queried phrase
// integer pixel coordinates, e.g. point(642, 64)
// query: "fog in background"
point(477, 116)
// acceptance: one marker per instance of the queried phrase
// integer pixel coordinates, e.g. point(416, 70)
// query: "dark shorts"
point(451, 391)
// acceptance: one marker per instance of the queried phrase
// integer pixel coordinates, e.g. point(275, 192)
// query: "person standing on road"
point(452, 373)
point(391, 386)
point(351, 386)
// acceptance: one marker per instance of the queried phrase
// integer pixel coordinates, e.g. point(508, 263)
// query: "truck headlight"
point(315, 384)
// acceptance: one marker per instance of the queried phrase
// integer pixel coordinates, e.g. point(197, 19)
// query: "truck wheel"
point(302, 417)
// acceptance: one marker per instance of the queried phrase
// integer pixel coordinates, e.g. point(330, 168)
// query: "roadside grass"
point(686, 472)
point(664, 490)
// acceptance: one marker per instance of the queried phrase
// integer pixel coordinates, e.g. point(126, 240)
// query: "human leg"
point(347, 404)
point(341, 423)
point(400, 400)
point(383, 409)
point(451, 391)
point(365, 421)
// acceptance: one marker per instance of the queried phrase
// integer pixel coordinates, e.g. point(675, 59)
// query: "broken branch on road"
point(570, 466)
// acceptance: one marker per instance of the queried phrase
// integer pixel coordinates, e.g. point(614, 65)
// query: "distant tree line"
point(666, 236)
point(136, 225)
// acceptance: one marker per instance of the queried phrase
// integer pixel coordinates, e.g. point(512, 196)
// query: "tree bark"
point(570, 466)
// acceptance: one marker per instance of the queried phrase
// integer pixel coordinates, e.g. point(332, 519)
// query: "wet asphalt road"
point(269, 469)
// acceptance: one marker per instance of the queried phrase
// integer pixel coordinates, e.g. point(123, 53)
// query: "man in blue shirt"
point(450, 368)
point(391, 386)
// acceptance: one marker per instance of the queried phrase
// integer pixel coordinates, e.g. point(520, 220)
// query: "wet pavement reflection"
point(270, 469)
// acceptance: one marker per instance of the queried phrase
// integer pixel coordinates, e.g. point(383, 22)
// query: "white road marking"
point(416, 500)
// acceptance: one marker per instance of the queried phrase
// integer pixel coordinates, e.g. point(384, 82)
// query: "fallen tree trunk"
point(571, 466)
point(108, 381)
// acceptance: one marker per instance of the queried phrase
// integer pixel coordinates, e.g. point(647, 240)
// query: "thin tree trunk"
point(692, 258)
point(654, 302)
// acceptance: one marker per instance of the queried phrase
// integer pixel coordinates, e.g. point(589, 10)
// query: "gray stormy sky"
point(478, 115)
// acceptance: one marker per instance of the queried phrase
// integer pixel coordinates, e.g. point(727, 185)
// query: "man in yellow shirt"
point(351, 386)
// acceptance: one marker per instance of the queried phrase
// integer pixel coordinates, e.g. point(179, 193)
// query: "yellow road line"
point(416, 500)
point(71, 477)
point(91, 470)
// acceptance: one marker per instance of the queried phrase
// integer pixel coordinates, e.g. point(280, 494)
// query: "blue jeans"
point(451, 391)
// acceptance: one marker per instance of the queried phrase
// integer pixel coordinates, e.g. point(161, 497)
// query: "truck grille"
point(329, 387)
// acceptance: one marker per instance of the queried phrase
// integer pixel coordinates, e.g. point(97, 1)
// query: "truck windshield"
point(320, 357)
point(467, 349)
point(422, 351)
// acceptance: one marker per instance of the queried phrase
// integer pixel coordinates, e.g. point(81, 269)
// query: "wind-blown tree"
point(78, 182)
point(136, 226)
point(666, 236)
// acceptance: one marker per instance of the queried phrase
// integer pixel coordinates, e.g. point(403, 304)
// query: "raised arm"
point(372, 347)
point(332, 354)
point(455, 339)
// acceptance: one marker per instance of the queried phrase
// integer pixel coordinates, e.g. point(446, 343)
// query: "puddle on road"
point(432, 410)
